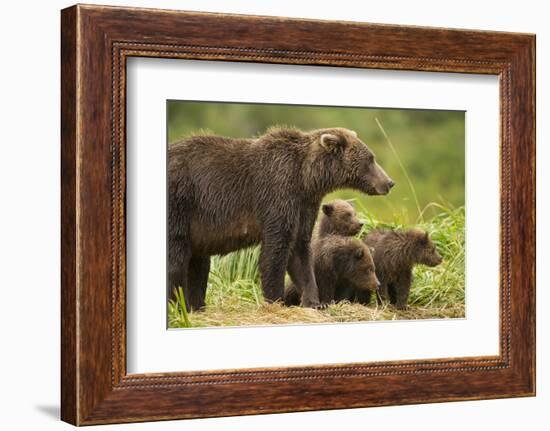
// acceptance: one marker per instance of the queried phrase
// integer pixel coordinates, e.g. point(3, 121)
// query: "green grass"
point(234, 296)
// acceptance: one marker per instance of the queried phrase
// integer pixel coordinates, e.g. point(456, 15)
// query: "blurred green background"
point(430, 145)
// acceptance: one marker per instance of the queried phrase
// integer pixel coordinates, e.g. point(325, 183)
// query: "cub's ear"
point(419, 236)
point(328, 209)
point(332, 142)
point(371, 249)
point(358, 254)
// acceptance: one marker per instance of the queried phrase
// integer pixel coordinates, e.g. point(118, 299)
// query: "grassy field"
point(234, 296)
point(423, 152)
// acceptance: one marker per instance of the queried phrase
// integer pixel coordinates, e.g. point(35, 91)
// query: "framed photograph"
point(263, 214)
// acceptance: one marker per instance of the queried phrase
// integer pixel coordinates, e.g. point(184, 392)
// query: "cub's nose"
point(390, 184)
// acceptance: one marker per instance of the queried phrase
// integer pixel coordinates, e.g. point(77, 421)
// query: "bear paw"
point(308, 303)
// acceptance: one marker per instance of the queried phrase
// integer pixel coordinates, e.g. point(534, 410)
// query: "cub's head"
point(339, 218)
point(353, 164)
point(425, 251)
point(360, 270)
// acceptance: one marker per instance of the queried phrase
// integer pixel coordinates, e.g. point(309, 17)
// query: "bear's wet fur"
point(226, 194)
point(395, 254)
point(343, 264)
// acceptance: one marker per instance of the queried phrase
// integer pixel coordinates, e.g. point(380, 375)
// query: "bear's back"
point(203, 151)
point(378, 237)
point(392, 250)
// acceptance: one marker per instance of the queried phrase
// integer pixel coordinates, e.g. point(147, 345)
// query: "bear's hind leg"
point(179, 257)
point(199, 268)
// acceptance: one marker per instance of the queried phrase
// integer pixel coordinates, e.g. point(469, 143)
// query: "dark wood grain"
point(96, 41)
point(69, 367)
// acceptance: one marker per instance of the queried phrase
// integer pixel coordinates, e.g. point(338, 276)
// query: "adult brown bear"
point(226, 194)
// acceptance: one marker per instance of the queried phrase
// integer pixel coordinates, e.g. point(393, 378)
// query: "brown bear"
point(343, 265)
point(338, 218)
point(225, 194)
point(395, 254)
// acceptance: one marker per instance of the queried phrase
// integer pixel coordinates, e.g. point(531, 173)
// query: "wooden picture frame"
point(95, 43)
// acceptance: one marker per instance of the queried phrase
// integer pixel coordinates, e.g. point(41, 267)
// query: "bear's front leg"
point(402, 289)
point(383, 293)
point(326, 286)
point(273, 262)
point(300, 269)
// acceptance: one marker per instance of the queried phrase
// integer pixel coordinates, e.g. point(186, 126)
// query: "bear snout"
point(380, 180)
point(382, 187)
point(385, 189)
point(435, 260)
point(373, 283)
point(356, 228)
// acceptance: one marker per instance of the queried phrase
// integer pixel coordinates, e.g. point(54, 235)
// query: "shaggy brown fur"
point(226, 194)
point(342, 265)
point(338, 218)
point(395, 254)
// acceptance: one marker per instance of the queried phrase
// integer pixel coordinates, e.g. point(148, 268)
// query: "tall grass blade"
point(402, 166)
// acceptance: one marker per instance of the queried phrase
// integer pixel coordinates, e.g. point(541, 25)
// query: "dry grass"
point(248, 314)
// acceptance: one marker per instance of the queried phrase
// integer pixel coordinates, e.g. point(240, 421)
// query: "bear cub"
point(395, 254)
point(341, 262)
point(338, 218)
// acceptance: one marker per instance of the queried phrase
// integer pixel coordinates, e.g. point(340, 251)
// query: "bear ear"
point(371, 249)
point(328, 209)
point(331, 142)
point(358, 253)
